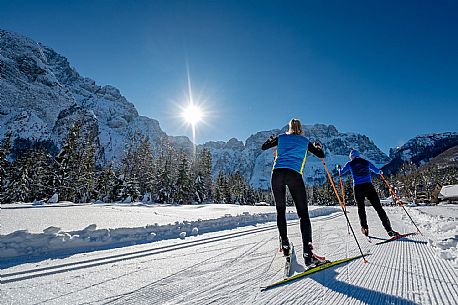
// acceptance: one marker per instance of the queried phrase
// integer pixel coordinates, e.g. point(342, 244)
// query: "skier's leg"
point(360, 195)
point(296, 187)
point(375, 201)
point(279, 193)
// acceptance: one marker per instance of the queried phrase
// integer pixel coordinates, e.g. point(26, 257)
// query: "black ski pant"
point(367, 190)
point(282, 177)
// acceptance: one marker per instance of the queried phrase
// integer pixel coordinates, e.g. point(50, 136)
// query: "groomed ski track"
point(229, 267)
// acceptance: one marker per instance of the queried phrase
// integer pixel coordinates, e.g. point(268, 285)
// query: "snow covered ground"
point(82, 228)
point(71, 217)
point(230, 266)
point(441, 223)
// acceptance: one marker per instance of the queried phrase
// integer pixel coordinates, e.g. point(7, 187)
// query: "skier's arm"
point(374, 169)
point(272, 142)
point(345, 169)
point(316, 150)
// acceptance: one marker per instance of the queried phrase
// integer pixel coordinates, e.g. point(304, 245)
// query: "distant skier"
point(287, 169)
point(363, 188)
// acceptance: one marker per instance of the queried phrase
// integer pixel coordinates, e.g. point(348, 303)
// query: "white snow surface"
point(70, 217)
point(230, 267)
point(442, 221)
point(449, 192)
point(79, 228)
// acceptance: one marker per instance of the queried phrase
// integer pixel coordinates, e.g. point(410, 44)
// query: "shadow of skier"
point(328, 278)
point(402, 239)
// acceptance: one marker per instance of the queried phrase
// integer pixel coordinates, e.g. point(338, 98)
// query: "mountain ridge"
point(42, 96)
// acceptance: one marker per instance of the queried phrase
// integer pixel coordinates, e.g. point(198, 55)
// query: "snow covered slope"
point(448, 158)
point(41, 96)
point(256, 165)
point(421, 150)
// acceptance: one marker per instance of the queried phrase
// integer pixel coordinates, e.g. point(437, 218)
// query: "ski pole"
point(400, 202)
point(343, 197)
point(343, 209)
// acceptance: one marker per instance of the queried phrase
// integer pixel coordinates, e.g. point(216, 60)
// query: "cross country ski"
point(312, 270)
point(399, 236)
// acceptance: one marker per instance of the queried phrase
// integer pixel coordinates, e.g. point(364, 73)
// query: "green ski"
point(310, 271)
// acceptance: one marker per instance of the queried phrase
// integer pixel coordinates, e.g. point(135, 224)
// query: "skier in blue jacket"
point(363, 188)
point(287, 169)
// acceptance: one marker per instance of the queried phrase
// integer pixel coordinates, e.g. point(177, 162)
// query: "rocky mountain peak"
point(421, 149)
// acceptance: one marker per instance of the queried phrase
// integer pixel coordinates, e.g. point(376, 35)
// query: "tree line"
point(412, 183)
point(164, 175)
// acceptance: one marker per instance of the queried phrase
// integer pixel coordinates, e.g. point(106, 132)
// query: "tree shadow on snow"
point(328, 278)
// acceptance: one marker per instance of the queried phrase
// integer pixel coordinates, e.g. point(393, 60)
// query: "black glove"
point(318, 145)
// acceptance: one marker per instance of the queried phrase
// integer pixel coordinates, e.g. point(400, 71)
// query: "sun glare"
point(192, 114)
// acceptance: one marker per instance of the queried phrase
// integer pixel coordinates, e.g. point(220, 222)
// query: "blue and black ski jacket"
point(361, 170)
point(292, 151)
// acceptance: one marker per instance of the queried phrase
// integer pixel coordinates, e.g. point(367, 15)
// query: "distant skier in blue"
point(363, 188)
point(287, 169)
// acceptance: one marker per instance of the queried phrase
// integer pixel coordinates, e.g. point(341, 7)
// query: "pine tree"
point(145, 170)
point(67, 162)
point(41, 174)
point(238, 187)
point(184, 191)
point(131, 188)
point(137, 169)
point(86, 178)
point(19, 182)
point(203, 175)
point(117, 193)
point(105, 184)
point(199, 188)
point(222, 190)
point(164, 185)
point(5, 148)
point(348, 187)
point(75, 174)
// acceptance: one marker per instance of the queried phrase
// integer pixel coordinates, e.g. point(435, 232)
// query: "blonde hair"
point(295, 127)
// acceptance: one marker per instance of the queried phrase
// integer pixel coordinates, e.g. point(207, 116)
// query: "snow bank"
point(53, 241)
point(72, 217)
point(442, 221)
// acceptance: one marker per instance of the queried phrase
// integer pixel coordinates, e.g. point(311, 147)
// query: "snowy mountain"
point(448, 158)
point(256, 165)
point(41, 96)
point(420, 150)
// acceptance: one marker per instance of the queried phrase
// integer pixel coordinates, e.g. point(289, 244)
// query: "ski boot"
point(365, 231)
point(393, 233)
point(285, 246)
point(311, 259)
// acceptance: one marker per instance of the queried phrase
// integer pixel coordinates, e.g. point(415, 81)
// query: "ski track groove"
point(446, 276)
point(231, 269)
point(171, 298)
point(125, 297)
point(235, 288)
point(116, 278)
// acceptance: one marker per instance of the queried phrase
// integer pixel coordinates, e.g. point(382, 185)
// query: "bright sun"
point(192, 114)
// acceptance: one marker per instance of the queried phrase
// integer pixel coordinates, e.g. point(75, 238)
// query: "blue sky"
point(386, 69)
